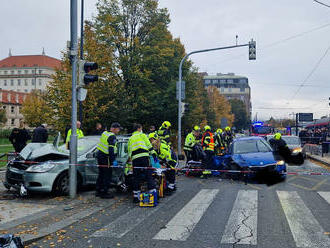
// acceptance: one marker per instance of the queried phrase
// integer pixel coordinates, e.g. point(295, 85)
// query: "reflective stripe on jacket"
point(164, 154)
point(208, 141)
point(189, 142)
point(80, 134)
point(139, 146)
point(104, 145)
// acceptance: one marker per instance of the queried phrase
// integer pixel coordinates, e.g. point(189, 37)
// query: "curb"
point(54, 227)
point(318, 160)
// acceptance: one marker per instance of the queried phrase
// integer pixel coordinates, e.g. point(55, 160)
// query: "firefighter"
point(164, 132)
point(165, 157)
point(208, 147)
point(106, 158)
point(280, 147)
point(228, 136)
point(139, 151)
point(190, 142)
point(219, 141)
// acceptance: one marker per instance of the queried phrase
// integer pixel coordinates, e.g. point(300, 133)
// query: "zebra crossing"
point(241, 225)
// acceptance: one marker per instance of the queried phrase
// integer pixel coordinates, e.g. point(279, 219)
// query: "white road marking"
point(325, 195)
point(184, 222)
point(241, 227)
point(305, 229)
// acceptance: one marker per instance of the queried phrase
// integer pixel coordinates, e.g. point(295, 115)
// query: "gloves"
point(115, 163)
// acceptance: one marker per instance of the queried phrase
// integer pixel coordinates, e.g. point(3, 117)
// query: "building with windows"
point(11, 102)
point(27, 73)
point(231, 86)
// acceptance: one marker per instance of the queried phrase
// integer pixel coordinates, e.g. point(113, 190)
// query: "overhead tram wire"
point(310, 74)
point(319, 2)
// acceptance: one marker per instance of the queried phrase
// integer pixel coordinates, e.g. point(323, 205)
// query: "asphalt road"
point(214, 213)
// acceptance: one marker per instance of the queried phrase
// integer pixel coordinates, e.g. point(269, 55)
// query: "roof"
point(30, 61)
point(12, 97)
point(223, 76)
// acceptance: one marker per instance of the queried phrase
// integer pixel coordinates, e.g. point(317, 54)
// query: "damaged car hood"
point(254, 159)
point(37, 150)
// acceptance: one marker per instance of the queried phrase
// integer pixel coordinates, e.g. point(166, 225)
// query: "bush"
point(5, 133)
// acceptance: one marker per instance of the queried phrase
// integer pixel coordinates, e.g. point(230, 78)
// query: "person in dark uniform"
point(106, 158)
point(19, 137)
point(40, 134)
point(280, 147)
point(98, 129)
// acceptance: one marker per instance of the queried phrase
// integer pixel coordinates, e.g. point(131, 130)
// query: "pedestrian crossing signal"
point(252, 50)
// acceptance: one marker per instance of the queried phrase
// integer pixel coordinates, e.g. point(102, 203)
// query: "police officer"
point(164, 132)
point(165, 156)
point(190, 142)
point(139, 150)
point(106, 158)
point(208, 147)
point(80, 134)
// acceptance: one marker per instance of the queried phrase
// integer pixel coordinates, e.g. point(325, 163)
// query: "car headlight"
point(281, 162)
point(40, 167)
point(296, 150)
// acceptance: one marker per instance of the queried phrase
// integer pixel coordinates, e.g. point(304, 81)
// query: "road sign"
point(305, 117)
point(183, 90)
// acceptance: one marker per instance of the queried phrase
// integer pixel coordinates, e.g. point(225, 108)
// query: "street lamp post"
point(180, 84)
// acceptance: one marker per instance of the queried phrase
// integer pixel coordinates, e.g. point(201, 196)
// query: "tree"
point(218, 108)
point(238, 109)
point(35, 109)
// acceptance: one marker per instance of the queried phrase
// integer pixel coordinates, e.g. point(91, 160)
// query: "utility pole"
point(73, 138)
point(252, 52)
point(81, 53)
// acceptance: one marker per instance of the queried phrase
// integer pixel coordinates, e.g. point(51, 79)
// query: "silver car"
point(44, 167)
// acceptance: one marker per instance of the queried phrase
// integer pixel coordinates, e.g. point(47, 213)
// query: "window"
point(33, 71)
point(5, 72)
point(19, 82)
point(230, 81)
point(5, 82)
point(207, 82)
point(12, 82)
point(214, 81)
point(4, 107)
point(12, 72)
point(26, 71)
point(40, 71)
point(12, 122)
point(25, 90)
point(40, 82)
point(12, 109)
point(243, 81)
point(242, 89)
point(222, 89)
point(19, 109)
point(26, 82)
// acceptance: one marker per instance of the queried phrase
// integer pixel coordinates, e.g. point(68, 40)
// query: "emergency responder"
point(228, 136)
point(106, 159)
point(190, 142)
point(280, 147)
point(165, 157)
point(220, 144)
point(164, 132)
point(80, 134)
point(139, 151)
point(208, 147)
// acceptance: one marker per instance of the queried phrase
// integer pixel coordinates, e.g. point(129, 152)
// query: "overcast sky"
point(292, 70)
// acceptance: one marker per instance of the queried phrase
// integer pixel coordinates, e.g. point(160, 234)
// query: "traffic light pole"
point(81, 53)
point(73, 138)
point(180, 85)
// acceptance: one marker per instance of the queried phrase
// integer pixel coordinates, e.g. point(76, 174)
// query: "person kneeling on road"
point(139, 150)
point(165, 157)
point(106, 158)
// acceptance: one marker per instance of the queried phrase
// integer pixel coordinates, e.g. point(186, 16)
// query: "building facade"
point(27, 73)
point(231, 86)
point(11, 102)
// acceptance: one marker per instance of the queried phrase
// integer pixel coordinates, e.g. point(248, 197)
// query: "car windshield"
point(262, 130)
point(84, 145)
point(122, 150)
point(291, 140)
point(251, 146)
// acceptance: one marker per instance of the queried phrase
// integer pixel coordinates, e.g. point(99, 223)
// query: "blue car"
point(256, 155)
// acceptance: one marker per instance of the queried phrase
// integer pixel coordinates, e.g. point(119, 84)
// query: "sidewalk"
point(324, 160)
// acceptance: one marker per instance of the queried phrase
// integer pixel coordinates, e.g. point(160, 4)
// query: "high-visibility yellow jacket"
point(190, 142)
point(80, 134)
point(164, 155)
point(139, 146)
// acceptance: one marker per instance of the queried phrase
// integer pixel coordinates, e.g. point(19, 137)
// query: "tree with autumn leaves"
point(138, 68)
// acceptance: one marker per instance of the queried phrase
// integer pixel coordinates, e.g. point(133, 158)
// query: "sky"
point(291, 73)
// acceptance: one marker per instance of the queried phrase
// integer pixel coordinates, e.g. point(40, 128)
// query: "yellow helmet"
point(166, 124)
point(219, 130)
point(227, 128)
point(153, 135)
point(207, 127)
point(277, 136)
point(197, 128)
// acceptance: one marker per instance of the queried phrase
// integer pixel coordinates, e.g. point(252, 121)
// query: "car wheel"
point(62, 184)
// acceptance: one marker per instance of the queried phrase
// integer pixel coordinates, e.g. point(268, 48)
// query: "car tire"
point(61, 185)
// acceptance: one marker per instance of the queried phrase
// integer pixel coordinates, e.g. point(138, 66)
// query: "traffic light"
point(84, 68)
point(252, 50)
point(185, 108)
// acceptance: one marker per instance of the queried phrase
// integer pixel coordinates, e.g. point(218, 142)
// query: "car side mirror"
point(90, 155)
